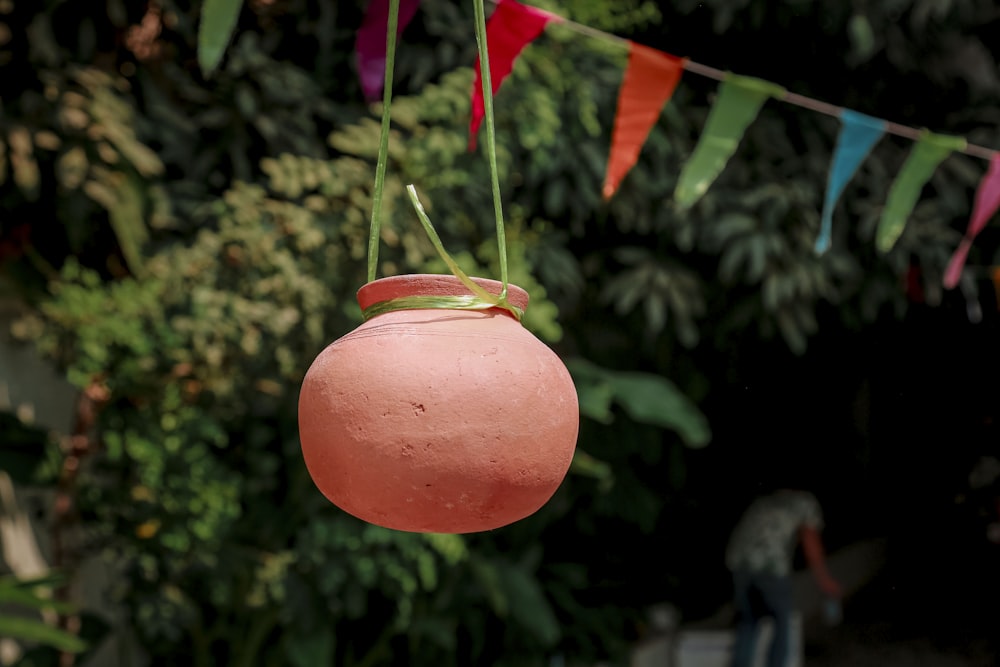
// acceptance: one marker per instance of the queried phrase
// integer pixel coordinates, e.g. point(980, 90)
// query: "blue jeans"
point(756, 596)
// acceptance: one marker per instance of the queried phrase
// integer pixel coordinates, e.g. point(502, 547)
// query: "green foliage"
point(22, 599)
point(194, 244)
point(646, 398)
point(201, 472)
point(218, 20)
point(664, 290)
point(77, 139)
point(28, 452)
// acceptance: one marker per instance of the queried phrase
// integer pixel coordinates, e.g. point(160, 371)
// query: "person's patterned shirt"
point(765, 537)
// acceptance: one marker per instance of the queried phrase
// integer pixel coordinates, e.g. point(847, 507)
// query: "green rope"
point(383, 145)
point(491, 143)
point(480, 299)
point(450, 302)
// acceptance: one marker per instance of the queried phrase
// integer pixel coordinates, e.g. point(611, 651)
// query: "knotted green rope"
point(480, 299)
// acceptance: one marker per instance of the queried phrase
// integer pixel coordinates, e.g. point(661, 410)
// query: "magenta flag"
point(511, 27)
point(986, 204)
point(369, 43)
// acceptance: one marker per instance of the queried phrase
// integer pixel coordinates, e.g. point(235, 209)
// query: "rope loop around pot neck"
point(450, 302)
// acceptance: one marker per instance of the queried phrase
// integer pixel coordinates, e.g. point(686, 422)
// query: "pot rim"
point(433, 284)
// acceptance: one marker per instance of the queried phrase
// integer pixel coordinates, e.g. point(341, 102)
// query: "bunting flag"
point(369, 43)
point(739, 101)
point(511, 27)
point(858, 135)
point(648, 83)
point(986, 204)
point(928, 152)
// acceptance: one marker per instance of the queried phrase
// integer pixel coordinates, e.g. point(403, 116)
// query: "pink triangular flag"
point(649, 81)
point(511, 27)
point(986, 204)
point(370, 43)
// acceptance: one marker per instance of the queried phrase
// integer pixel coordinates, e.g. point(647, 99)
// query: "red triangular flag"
point(648, 83)
point(511, 27)
point(987, 203)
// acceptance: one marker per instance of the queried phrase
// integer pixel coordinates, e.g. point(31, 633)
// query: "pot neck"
point(422, 291)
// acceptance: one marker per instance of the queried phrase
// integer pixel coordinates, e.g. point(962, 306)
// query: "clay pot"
point(434, 420)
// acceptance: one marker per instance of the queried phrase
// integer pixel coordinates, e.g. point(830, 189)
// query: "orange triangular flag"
point(649, 81)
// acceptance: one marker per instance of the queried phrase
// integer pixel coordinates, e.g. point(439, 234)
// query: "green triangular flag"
point(929, 151)
point(739, 101)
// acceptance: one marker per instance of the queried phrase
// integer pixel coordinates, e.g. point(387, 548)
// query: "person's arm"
point(812, 547)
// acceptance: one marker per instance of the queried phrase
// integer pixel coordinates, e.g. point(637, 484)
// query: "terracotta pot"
point(433, 420)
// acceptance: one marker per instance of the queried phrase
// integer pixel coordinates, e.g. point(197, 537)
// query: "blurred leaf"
point(49, 579)
point(655, 400)
point(488, 577)
point(26, 598)
point(437, 630)
point(528, 605)
point(595, 400)
point(862, 38)
point(127, 220)
point(585, 464)
point(720, 233)
point(31, 630)
point(791, 330)
point(122, 196)
point(645, 397)
point(215, 30)
point(310, 650)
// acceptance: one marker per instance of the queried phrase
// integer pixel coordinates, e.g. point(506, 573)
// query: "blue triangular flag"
point(858, 135)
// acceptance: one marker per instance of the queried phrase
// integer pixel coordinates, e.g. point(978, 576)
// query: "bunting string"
point(648, 83)
point(729, 118)
point(810, 103)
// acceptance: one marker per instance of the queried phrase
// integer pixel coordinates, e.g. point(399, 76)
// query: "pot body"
point(438, 420)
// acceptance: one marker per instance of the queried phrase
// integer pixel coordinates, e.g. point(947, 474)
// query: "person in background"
point(760, 554)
